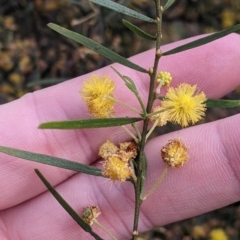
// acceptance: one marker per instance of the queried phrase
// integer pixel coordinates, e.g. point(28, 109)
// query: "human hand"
point(208, 181)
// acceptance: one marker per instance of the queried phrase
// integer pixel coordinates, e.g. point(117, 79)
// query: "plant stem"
point(157, 112)
point(125, 105)
point(141, 103)
point(137, 131)
point(152, 190)
point(157, 90)
point(134, 178)
point(130, 133)
point(104, 229)
point(152, 129)
point(151, 98)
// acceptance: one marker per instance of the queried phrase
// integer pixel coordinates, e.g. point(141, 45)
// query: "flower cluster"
point(116, 164)
point(182, 105)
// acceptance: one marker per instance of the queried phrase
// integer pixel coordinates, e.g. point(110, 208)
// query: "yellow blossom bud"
point(164, 78)
point(175, 153)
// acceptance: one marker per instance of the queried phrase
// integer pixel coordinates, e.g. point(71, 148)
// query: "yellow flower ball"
point(184, 105)
point(97, 92)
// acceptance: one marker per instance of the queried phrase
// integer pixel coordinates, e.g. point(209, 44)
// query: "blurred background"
point(32, 57)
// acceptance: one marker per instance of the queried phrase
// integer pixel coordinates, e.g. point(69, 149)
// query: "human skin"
point(209, 180)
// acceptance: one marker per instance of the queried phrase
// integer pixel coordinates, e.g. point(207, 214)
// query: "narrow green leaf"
point(112, 14)
point(131, 86)
point(89, 123)
point(95, 47)
point(128, 82)
point(218, 103)
point(122, 9)
point(138, 31)
point(168, 4)
point(67, 207)
point(53, 161)
point(221, 103)
point(203, 41)
point(46, 81)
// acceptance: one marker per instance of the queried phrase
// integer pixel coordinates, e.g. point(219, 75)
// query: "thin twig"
point(125, 105)
point(155, 186)
point(104, 229)
point(130, 133)
point(152, 128)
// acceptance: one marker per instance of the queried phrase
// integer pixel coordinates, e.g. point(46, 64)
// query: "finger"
point(208, 66)
point(209, 180)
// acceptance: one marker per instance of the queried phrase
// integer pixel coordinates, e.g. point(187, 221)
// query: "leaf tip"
point(41, 126)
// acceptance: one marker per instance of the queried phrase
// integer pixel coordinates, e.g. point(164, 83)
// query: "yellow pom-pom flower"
point(116, 164)
point(175, 153)
point(97, 92)
point(184, 105)
point(116, 169)
point(218, 234)
point(107, 149)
